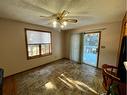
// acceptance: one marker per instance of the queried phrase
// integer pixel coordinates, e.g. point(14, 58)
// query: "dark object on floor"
point(111, 82)
point(1, 81)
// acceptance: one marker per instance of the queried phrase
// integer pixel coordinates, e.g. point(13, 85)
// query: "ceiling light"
point(62, 26)
point(54, 23)
point(58, 23)
point(64, 23)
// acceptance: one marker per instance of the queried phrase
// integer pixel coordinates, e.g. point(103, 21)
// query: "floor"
point(62, 77)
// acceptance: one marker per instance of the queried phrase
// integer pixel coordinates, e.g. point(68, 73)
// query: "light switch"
point(103, 47)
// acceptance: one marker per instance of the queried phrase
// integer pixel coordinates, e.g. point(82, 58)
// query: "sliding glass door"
point(91, 43)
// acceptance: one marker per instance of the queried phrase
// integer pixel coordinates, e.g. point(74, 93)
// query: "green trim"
point(81, 48)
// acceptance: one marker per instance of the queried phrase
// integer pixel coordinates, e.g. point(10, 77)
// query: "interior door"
point(91, 44)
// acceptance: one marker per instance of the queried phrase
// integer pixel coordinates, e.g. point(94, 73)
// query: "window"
point(38, 43)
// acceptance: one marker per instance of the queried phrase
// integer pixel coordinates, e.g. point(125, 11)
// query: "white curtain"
point(75, 47)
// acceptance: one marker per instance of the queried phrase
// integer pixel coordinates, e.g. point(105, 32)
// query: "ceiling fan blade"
point(46, 17)
point(64, 13)
point(80, 17)
point(71, 20)
point(49, 17)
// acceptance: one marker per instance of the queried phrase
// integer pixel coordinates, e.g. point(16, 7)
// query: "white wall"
point(109, 38)
point(13, 58)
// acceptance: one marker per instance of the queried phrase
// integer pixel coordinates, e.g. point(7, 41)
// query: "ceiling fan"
point(60, 18)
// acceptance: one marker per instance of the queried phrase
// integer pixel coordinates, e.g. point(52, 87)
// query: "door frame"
point(98, 55)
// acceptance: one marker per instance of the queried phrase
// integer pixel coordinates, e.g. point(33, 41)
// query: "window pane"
point(50, 48)
point(45, 49)
point(34, 37)
point(33, 50)
point(38, 43)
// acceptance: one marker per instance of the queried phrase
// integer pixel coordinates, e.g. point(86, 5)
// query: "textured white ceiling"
point(86, 11)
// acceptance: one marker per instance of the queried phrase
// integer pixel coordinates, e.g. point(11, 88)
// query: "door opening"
point(91, 46)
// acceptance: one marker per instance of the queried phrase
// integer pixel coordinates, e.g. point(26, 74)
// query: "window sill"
point(38, 56)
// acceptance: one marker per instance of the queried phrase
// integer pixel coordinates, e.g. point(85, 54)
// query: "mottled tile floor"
point(62, 77)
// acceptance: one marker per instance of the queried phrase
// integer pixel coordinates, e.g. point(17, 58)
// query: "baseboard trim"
point(43, 65)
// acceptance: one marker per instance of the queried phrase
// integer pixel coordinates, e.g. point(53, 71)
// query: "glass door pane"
point(90, 48)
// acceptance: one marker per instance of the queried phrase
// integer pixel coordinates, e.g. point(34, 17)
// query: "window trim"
point(37, 56)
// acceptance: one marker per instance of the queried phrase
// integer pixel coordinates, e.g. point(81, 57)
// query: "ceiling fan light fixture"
point(54, 23)
point(64, 23)
point(59, 20)
point(62, 26)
